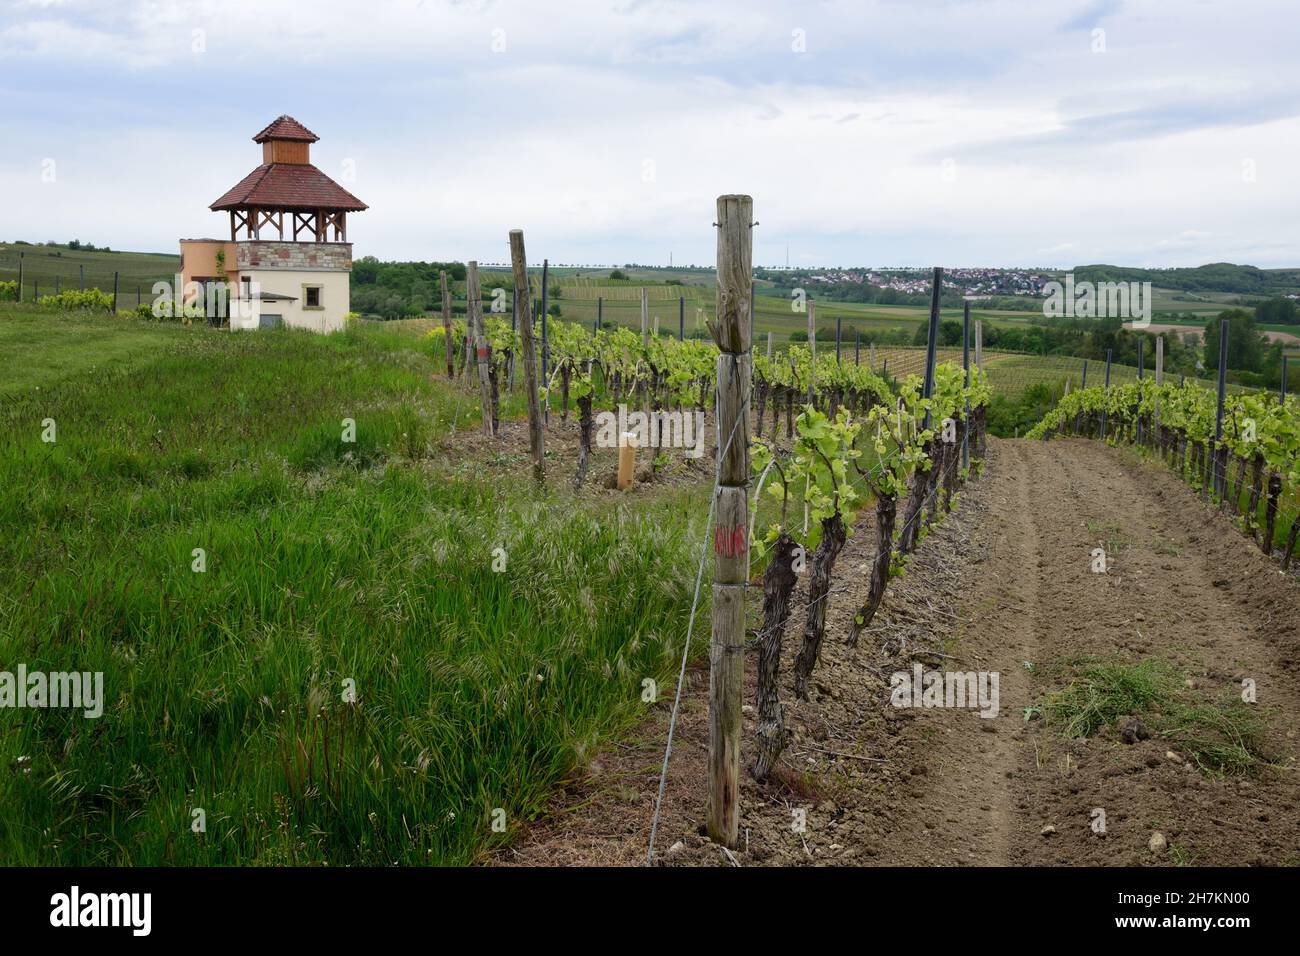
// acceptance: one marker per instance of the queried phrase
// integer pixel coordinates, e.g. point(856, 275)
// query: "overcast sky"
point(902, 132)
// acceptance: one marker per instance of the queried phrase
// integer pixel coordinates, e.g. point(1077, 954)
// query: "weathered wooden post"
point(446, 324)
point(645, 320)
point(600, 313)
point(927, 388)
point(871, 356)
point(1141, 375)
point(546, 343)
point(769, 346)
point(979, 345)
point(812, 352)
point(514, 328)
point(837, 339)
point(1220, 451)
point(19, 293)
point(474, 325)
point(731, 332)
point(519, 266)
point(1160, 381)
point(114, 293)
point(1281, 395)
point(965, 364)
point(81, 271)
point(681, 318)
point(751, 313)
point(1104, 414)
point(1078, 416)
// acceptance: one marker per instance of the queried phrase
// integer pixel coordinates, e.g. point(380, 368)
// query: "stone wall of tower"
point(308, 256)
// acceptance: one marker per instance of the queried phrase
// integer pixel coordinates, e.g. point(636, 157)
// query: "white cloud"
point(1134, 155)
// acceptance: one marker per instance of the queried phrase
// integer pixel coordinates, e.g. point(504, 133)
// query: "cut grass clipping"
point(1218, 737)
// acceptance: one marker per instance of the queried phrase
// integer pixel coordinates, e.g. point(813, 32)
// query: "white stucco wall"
point(335, 299)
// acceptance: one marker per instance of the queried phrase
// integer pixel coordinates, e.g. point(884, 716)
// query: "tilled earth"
point(1003, 584)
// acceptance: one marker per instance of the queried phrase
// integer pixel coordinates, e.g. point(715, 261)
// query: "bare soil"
point(1003, 584)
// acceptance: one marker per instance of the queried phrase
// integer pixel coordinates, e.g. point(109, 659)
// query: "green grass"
point(326, 561)
point(1223, 736)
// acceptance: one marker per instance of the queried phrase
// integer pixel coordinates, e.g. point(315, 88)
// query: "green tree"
point(1247, 346)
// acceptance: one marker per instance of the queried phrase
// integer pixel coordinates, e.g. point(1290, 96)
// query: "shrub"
point(75, 299)
point(8, 291)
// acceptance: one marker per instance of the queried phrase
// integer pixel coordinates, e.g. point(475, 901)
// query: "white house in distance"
point(288, 280)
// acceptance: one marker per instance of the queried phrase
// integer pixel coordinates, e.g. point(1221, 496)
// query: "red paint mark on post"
point(730, 541)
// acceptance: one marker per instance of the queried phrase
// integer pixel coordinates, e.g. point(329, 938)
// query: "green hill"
point(43, 263)
point(1214, 277)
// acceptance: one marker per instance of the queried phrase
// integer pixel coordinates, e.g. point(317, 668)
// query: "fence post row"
point(731, 332)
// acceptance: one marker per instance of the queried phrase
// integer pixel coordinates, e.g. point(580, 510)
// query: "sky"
point(1035, 133)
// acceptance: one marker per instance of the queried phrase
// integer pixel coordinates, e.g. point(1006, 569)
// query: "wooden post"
point(519, 265)
point(626, 459)
point(871, 356)
point(731, 332)
point(114, 293)
point(20, 277)
point(1281, 395)
point(1160, 381)
point(546, 343)
point(857, 347)
point(474, 326)
point(837, 339)
point(446, 324)
point(927, 387)
point(812, 351)
point(965, 364)
point(751, 314)
point(514, 327)
point(600, 313)
point(645, 321)
point(769, 346)
point(1104, 415)
point(1141, 375)
point(979, 345)
point(1220, 464)
point(681, 318)
point(81, 270)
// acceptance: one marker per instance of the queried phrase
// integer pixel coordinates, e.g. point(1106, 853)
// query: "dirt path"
point(1002, 585)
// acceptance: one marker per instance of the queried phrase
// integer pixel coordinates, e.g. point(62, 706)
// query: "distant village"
point(973, 283)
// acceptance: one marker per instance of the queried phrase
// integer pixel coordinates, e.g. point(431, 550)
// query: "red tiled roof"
point(288, 186)
point(286, 127)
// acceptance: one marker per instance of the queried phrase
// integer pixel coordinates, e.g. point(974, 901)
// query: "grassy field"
point(45, 264)
point(326, 562)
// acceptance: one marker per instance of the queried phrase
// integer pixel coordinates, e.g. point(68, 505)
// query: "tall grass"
point(326, 562)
